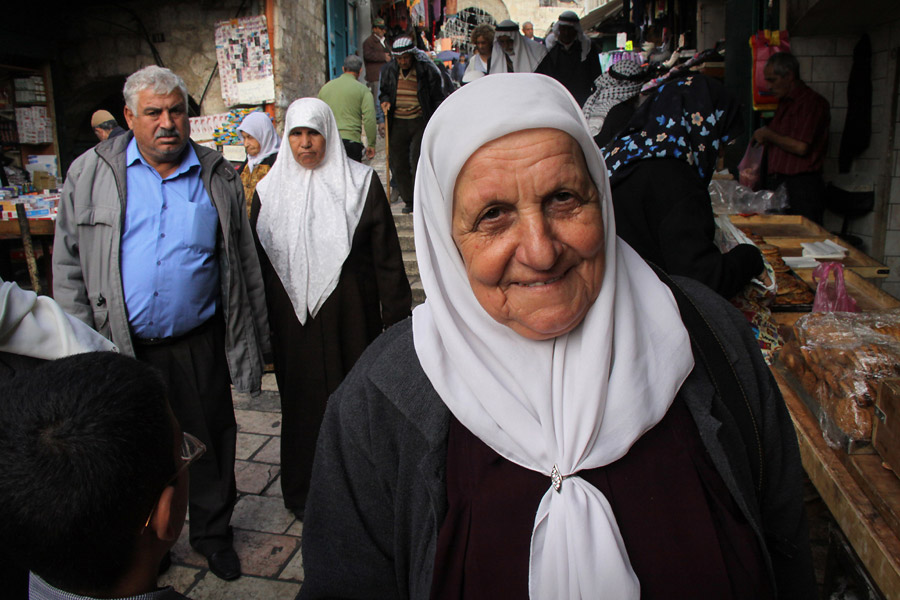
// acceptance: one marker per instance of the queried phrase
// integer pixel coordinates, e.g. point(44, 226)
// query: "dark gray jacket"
point(378, 494)
point(87, 279)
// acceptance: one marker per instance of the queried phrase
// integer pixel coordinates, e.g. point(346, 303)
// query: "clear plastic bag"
point(731, 198)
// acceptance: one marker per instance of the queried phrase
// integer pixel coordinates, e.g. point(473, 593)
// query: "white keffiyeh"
point(307, 217)
point(575, 402)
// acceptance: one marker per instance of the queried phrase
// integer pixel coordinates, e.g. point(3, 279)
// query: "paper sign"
point(256, 91)
point(621, 38)
point(629, 46)
point(234, 153)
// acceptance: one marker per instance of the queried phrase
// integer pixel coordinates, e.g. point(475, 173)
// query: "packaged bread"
point(839, 358)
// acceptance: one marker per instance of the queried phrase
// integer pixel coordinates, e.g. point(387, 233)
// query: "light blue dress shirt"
point(168, 254)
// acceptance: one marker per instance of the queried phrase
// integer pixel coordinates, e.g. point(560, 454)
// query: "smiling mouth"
point(542, 283)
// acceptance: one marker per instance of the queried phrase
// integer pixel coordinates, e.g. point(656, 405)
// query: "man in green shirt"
point(353, 107)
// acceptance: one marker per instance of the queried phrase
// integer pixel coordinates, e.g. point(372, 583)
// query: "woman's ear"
point(161, 523)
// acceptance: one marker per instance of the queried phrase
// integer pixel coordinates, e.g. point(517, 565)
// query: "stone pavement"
point(266, 535)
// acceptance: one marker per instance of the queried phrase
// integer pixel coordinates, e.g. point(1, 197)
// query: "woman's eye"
point(491, 213)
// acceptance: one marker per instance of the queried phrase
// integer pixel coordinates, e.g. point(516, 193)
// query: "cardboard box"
point(886, 432)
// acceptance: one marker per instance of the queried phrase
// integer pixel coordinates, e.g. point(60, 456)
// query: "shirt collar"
point(189, 159)
point(38, 589)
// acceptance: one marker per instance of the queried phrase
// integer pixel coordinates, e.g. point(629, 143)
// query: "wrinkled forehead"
point(504, 103)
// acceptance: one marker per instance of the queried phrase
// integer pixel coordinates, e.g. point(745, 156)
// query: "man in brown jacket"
point(376, 54)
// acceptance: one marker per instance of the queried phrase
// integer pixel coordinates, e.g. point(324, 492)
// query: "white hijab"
point(36, 326)
point(260, 127)
point(527, 53)
point(307, 217)
point(575, 402)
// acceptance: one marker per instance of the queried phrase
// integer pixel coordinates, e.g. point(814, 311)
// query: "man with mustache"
point(154, 251)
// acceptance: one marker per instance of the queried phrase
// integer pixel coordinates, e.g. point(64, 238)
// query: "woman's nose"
point(538, 247)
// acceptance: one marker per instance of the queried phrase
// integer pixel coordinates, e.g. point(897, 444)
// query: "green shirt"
point(353, 106)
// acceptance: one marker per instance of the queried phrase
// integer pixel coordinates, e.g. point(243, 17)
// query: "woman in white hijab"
point(261, 142)
point(541, 429)
point(333, 272)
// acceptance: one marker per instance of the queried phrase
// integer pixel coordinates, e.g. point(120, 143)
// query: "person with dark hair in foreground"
point(93, 477)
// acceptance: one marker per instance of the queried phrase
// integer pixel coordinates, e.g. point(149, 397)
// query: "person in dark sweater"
point(660, 167)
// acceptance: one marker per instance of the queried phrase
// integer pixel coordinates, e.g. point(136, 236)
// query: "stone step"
point(407, 243)
point(410, 264)
point(418, 292)
point(403, 221)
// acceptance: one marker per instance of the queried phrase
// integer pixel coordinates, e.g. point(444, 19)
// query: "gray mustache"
point(163, 132)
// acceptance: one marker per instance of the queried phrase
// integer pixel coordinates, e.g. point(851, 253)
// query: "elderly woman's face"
point(483, 45)
point(527, 222)
point(307, 146)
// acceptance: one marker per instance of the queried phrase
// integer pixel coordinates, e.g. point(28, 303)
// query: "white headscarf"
point(260, 127)
point(527, 53)
point(36, 326)
point(575, 402)
point(570, 19)
point(307, 217)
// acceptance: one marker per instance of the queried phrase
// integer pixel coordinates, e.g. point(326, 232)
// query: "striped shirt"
point(802, 115)
point(408, 106)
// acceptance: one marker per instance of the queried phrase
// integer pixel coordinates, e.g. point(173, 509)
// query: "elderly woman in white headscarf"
point(333, 272)
point(261, 142)
point(544, 427)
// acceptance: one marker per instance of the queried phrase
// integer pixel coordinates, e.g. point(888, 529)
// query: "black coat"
point(566, 67)
point(663, 211)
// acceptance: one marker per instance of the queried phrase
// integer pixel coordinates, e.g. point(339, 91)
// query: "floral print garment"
point(689, 118)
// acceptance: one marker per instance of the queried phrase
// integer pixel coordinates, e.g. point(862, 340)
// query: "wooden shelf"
point(862, 521)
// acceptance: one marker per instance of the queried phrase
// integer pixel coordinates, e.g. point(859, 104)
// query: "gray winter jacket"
point(378, 495)
point(87, 280)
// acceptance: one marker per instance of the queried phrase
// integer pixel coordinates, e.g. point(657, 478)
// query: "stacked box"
point(34, 125)
point(30, 89)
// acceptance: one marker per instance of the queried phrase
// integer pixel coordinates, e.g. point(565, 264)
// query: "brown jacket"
point(374, 56)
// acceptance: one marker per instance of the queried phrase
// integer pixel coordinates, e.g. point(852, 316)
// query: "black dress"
point(663, 211)
point(311, 360)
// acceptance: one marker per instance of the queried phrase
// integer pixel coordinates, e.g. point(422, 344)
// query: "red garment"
point(684, 533)
point(803, 115)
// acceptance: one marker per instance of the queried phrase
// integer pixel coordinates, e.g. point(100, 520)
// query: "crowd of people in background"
point(207, 274)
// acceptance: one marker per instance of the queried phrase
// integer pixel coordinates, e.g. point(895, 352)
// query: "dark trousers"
point(806, 194)
point(196, 373)
point(354, 150)
point(406, 143)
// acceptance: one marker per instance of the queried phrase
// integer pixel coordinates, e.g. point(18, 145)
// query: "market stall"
point(837, 373)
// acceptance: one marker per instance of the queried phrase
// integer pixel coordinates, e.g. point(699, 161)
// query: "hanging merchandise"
point(763, 45)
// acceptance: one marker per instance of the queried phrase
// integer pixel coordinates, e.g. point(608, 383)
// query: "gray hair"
point(783, 63)
point(161, 80)
point(353, 63)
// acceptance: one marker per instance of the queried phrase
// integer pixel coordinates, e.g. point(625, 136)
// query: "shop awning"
point(600, 14)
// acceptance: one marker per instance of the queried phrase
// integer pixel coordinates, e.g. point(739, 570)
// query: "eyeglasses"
point(191, 449)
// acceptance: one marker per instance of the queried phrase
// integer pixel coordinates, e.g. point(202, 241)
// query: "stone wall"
point(300, 52)
point(825, 63)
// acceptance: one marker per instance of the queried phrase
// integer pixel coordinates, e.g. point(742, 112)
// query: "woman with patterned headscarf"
point(659, 170)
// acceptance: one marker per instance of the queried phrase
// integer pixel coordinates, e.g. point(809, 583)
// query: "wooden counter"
point(867, 295)
point(838, 477)
point(10, 229)
point(788, 232)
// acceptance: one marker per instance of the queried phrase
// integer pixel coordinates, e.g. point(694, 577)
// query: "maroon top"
point(803, 115)
point(685, 535)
